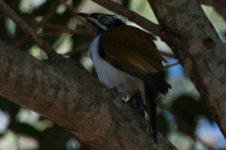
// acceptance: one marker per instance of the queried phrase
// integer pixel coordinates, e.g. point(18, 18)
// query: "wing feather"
point(133, 51)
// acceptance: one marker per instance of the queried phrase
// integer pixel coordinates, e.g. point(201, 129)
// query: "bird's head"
point(102, 22)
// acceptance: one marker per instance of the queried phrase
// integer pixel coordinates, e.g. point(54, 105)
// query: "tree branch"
point(199, 49)
point(73, 98)
point(132, 16)
point(4, 8)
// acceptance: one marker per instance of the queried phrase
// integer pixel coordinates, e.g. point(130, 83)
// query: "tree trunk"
point(198, 48)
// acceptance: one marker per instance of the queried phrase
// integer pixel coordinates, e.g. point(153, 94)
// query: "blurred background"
point(183, 117)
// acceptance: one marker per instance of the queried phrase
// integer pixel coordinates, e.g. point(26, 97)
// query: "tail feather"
point(151, 108)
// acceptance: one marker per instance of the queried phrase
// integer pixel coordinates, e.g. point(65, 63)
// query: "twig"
point(67, 30)
point(78, 49)
point(45, 19)
point(69, 7)
point(4, 8)
point(57, 33)
point(132, 16)
point(50, 13)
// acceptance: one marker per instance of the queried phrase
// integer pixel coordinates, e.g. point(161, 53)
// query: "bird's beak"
point(92, 21)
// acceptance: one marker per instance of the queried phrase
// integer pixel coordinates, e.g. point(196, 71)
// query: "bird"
point(126, 58)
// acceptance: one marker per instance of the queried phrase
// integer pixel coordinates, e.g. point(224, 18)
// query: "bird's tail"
point(151, 108)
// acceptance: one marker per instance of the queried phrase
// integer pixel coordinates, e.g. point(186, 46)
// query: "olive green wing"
point(133, 50)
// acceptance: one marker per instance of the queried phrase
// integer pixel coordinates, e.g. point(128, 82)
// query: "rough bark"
point(73, 98)
point(199, 49)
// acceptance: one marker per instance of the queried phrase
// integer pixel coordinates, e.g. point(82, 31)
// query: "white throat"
point(111, 76)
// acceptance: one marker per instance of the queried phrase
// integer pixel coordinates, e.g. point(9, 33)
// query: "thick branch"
point(73, 98)
point(199, 49)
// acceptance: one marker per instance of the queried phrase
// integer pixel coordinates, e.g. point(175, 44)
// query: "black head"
point(102, 22)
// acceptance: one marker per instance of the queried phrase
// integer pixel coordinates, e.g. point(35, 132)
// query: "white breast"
point(111, 76)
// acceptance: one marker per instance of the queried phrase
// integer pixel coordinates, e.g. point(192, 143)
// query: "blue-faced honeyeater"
point(126, 58)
